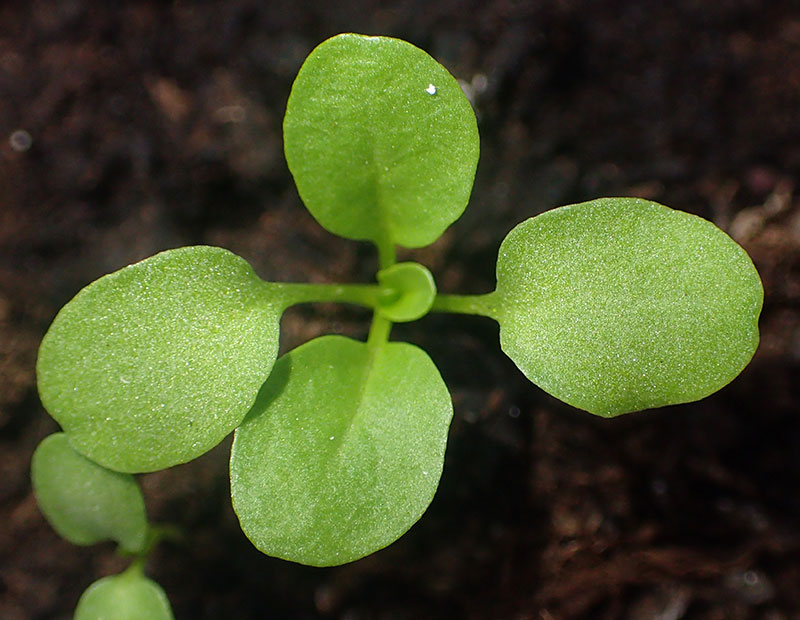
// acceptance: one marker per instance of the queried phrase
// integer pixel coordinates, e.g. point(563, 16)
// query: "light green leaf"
point(84, 502)
point(621, 304)
point(129, 596)
point(342, 452)
point(155, 364)
point(413, 291)
point(381, 141)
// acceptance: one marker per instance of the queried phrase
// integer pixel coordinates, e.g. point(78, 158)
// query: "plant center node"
point(408, 291)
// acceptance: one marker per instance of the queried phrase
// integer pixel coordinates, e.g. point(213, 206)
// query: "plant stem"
point(370, 295)
point(386, 254)
point(482, 305)
point(156, 533)
point(136, 568)
point(378, 331)
point(291, 293)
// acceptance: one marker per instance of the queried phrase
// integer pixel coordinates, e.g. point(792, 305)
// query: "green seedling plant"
point(613, 306)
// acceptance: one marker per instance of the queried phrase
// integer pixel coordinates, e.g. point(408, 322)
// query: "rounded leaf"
point(342, 452)
point(129, 596)
point(155, 364)
point(413, 291)
point(381, 141)
point(85, 502)
point(622, 304)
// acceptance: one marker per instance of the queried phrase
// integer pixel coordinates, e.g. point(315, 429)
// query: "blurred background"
point(129, 128)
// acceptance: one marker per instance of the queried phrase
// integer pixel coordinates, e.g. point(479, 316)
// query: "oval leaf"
point(621, 304)
point(342, 452)
point(381, 141)
point(155, 364)
point(129, 596)
point(84, 502)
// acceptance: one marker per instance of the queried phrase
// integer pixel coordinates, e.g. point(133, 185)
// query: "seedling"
point(613, 306)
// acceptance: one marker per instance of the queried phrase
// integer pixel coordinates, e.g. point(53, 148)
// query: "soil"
point(127, 129)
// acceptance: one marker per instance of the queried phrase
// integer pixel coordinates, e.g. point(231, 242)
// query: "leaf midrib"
point(334, 458)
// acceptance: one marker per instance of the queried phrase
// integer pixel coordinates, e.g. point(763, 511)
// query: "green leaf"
point(155, 364)
point(381, 141)
point(413, 291)
point(84, 502)
point(129, 596)
point(342, 452)
point(621, 304)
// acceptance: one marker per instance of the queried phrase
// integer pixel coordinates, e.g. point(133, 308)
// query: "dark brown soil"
point(128, 128)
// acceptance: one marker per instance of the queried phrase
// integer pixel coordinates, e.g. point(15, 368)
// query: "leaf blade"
point(621, 304)
point(129, 596)
point(329, 488)
point(155, 364)
point(85, 502)
point(375, 155)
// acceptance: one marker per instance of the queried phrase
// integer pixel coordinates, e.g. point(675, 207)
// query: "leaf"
point(621, 304)
point(84, 502)
point(342, 452)
point(129, 596)
point(413, 291)
point(381, 141)
point(155, 364)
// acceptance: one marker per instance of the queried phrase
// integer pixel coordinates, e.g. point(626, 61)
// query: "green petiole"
point(375, 296)
point(482, 305)
point(379, 331)
point(290, 293)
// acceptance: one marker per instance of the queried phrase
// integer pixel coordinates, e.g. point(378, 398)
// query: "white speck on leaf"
point(431, 90)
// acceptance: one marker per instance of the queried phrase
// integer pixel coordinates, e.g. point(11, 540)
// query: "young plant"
point(613, 306)
point(86, 504)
